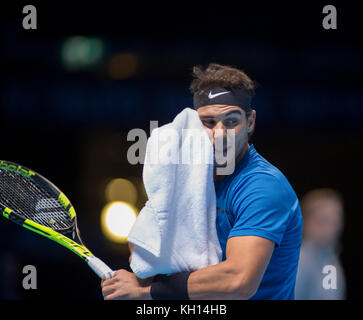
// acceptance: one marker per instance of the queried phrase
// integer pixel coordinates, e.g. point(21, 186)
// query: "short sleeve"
point(261, 207)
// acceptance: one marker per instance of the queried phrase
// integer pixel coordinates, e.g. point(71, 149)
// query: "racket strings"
point(34, 201)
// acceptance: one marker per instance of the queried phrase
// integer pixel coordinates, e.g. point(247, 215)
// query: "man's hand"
point(126, 285)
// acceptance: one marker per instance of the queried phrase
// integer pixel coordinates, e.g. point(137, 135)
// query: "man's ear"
point(251, 118)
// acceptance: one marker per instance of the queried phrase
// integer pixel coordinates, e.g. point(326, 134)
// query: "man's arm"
point(238, 277)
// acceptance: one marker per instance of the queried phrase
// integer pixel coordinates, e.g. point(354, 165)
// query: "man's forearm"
point(220, 281)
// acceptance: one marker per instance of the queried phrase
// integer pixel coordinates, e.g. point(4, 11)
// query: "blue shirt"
point(257, 200)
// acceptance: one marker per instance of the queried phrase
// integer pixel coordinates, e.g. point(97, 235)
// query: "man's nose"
point(219, 131)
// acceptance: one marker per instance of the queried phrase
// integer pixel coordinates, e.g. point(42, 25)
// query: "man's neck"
point(238, 159)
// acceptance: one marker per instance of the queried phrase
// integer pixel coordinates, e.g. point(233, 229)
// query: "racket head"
point(31, 196)
point(32, 201)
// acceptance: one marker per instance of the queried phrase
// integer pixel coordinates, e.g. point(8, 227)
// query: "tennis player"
point(259, 222)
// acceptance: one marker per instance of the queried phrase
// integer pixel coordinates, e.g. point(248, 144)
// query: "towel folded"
point(176, 229)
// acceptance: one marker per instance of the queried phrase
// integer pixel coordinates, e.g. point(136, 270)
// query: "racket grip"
point(100, 268)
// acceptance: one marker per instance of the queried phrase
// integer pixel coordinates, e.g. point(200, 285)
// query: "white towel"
point(176, 229)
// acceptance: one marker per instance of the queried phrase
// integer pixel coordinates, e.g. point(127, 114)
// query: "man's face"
point(222, 123)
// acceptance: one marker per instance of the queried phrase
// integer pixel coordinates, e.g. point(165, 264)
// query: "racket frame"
point(47, 232)
point(79, 249)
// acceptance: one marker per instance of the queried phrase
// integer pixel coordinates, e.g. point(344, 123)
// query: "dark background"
point(71, 125)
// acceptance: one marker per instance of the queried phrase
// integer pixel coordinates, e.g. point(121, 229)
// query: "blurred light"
point(79, 52)
point(117, 219)
point(122, 66)
point(121, 190)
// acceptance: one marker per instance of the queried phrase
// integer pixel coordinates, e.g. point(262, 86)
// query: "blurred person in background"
point(323, 214)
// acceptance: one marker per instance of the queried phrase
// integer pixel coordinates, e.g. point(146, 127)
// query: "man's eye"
point(208, 122)
point(230, 122)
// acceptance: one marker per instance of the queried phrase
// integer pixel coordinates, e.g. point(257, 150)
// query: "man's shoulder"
point(263, 180)
point(261, 173)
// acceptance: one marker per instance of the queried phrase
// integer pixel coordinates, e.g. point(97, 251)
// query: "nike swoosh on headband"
point(212, 96)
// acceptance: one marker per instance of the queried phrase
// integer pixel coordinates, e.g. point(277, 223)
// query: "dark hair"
point(217, 75)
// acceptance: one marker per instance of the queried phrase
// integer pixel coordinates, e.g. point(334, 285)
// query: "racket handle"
point(99, 267)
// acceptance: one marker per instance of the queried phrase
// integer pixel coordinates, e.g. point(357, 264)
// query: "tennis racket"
point(30, 200)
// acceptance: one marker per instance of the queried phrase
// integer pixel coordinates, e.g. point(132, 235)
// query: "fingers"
point(119, 286)
point(107, 291)
point(107, 286)
point(111, 292)
point(113, 296)
point(109, 282)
